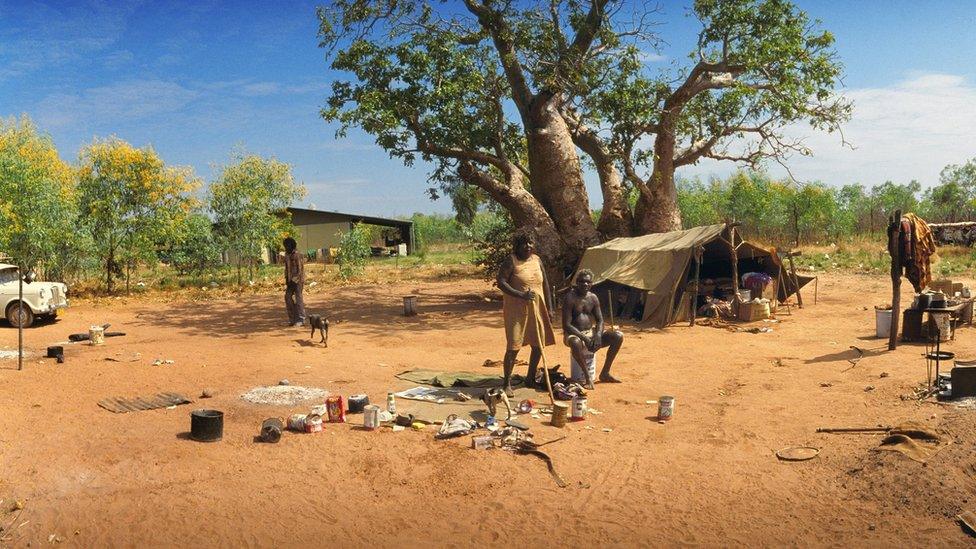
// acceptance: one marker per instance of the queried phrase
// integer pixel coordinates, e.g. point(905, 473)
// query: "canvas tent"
point(660, 267)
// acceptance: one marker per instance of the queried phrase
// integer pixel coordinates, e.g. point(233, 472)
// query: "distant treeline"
point(783, 212)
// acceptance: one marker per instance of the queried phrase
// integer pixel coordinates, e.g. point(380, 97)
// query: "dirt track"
point(709, 477)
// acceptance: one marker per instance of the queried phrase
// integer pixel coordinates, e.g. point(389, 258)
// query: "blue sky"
point(197, 79)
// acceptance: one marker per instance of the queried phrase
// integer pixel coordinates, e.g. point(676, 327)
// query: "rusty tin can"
point(665, 408)
point(296, 422)
point(313, 423)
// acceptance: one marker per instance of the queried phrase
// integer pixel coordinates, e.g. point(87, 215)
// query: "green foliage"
point(436, 84)
point(131, 203)
point(354, 250)
point(38, 213)
point(195, 249)
point(493, 243)
point(247, 199)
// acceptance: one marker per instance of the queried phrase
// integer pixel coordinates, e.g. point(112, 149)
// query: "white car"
point(41, 299)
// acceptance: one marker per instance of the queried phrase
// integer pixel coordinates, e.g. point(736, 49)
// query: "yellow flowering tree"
point(246, 199)
point(37, 208)
point(131, 203)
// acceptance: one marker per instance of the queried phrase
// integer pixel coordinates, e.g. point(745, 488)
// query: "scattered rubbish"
point(826, 384)
point(357, 403)
point(386, 417)
point(650, 402)
point(884, 374)
point(160, 362)
point(371, 416)
point(516, 424)
point(208, 393)
point(206, 425)
point(87, 336)
point(525, 406)
point(588, 427)
point(968, 519)
point(124, 357)
point(593, 411)
point(121, 405)
point(560, 411)
point(607, 430)
point(18, 505)
point(296, 422)
point(418, 426)
point(398, 428)
point(491, 424)
point(390, 403)
point(336, 408)
point(313, 423)
point(280, 395)
point(271, 430)
point(462, 397)
point(578, 411)
point(401, 419)
point(665, 408)
point(797, 453)
point(452, 427)
point(284, 382)
point(868, 388)
point(482, 442)
point(96, 335)
point(56, 352)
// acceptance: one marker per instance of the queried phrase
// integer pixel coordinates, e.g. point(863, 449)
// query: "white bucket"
point(882, 322)
point(576, 371)
point(96, 335)
point(745, 295)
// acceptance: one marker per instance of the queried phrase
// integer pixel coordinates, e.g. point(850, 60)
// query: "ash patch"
point(284, 395)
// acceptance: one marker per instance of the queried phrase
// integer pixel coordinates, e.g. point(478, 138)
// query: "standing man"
point(294, 283)
point(526, 293)
point(583, 330)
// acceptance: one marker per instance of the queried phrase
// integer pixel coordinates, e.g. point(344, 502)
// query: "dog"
point(492, 398)
point(320, 323)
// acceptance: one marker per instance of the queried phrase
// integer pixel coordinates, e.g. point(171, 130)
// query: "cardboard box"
point(750, 311)
point(944, 286)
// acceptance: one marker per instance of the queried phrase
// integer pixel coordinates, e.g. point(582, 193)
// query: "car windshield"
point(8, 275)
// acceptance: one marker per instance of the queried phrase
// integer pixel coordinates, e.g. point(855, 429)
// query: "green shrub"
point(354, 250)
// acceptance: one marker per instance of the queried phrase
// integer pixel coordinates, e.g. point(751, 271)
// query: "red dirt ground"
point(93, 478)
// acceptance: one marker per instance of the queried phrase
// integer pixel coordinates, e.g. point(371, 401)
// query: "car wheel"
point(15, 319)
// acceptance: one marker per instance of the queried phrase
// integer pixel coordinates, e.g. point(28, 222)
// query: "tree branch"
point(494, 22)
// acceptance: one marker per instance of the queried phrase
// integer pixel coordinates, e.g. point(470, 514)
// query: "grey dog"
point(320, 323)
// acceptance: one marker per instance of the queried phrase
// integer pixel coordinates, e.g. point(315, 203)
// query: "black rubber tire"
point(12, 315)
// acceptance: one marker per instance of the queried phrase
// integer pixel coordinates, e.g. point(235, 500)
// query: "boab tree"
point(502, 96)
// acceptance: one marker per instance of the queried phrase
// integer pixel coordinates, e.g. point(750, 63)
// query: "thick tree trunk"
point(616, 219)
point(527, 213)
point(556, 175)
point(657, 210)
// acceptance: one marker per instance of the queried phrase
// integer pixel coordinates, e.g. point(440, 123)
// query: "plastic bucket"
point(745, 295)
point(206, 425)
point(882, 322)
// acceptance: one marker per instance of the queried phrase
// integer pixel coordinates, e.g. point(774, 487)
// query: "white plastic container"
point(882, 322)
point(745, 295)
point(576, 371)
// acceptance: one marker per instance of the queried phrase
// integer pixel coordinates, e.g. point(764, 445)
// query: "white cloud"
point(910, 130)
point(113, 104)
point(261, 88)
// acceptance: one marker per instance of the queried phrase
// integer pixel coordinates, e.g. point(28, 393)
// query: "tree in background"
point(131, 203)
point(195, 250)
point(354, 250)
point(501, 97)
point(38, 211)
point(954, 198)
point(248, 199)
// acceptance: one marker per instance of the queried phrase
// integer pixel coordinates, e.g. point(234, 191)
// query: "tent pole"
point(734, 258)
point(694, 295)
point(796, 281)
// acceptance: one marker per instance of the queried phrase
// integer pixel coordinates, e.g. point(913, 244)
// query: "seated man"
point(583, 328)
